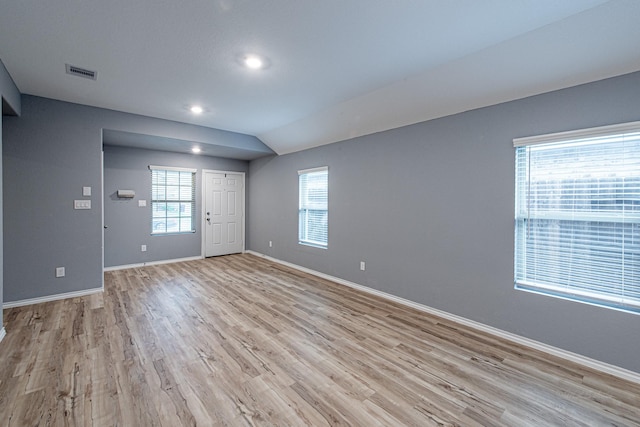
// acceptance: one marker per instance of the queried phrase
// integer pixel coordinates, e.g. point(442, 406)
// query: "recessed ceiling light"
point(253, 61)
point(196, 149)
point(196, 109)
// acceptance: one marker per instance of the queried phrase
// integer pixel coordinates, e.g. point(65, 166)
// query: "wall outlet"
point(59, 271)
point(143, 248)
point(362, 265)
point(270, 244)
point(142, 203)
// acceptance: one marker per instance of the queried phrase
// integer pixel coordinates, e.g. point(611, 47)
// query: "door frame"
point(203, 206)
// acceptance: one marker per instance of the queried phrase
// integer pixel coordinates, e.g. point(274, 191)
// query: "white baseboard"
point(145, 264)
point(48, 298)
point(3, 333)
point(555, 351)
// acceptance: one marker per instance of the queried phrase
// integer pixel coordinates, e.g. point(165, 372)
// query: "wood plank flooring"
point(240, 341)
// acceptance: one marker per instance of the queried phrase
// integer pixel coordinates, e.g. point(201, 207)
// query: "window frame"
point(303, 210)
point(598, 292)
point(166, 200)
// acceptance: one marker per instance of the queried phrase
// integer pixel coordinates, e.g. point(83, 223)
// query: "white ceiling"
point(338, 68)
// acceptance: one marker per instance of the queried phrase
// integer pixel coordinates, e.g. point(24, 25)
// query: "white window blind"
point(577, 231)
point(313, 213)
point(173, 198)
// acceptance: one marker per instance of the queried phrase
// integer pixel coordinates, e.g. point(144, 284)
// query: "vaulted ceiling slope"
point(335, 69)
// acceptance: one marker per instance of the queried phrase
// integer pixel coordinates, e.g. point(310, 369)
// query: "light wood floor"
point(240, 341)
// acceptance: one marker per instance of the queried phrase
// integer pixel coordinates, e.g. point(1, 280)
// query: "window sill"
point(313, 245)
point(174, 233)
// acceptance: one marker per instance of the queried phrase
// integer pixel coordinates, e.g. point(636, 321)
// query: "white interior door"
point(223, 213)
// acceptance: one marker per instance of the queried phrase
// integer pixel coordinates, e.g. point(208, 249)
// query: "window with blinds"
point(173, 199)
point(313, 213)
point(577, 232)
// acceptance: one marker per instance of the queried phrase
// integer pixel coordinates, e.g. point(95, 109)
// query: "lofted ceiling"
point(337, 69)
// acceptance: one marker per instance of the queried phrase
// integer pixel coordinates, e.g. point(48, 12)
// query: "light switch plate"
point(142, 203)
point(82, 204)
point(86, 191)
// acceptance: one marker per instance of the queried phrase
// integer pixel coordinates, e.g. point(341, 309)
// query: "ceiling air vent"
point(81, 72)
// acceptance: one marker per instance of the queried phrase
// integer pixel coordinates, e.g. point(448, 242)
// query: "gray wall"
point(10, 99)
point(50, 153)
point(129, 226)
point(430, 208)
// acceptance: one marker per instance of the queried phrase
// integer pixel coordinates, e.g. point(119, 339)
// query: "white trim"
point(555, 351)
point(50, 298)
point(172, 168)
point(102, 201)
point(312, 244)
point(312, 170)
point(146, 264)
point(621, 303)
point(577, 134)
point(3, 333)
point(203, 209)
